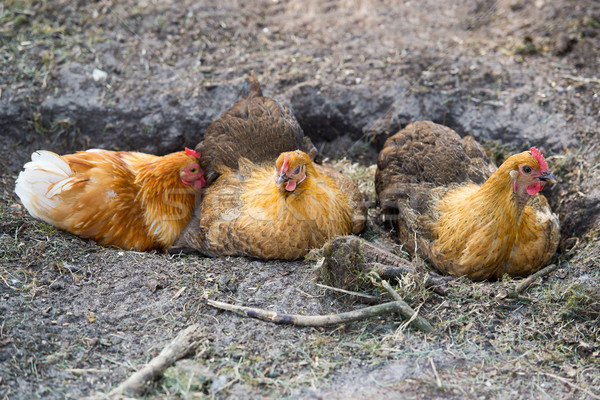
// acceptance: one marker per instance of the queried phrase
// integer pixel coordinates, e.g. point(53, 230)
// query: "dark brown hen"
point(450, 204)
point(257, 128)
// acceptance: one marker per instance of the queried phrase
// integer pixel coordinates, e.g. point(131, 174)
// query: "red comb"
point(286, 163)
point(540, 159)
point(192, 153)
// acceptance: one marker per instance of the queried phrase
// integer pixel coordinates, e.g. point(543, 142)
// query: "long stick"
point(582, 79)
point(407, 311)
point(525, 283)
point(314, 320)
point(179, 347)
point(366, 298)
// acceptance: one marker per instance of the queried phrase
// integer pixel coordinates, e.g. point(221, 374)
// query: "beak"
point(281, 179)
point(547, 177)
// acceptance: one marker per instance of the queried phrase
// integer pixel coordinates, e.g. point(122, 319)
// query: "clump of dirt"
point(343, 265)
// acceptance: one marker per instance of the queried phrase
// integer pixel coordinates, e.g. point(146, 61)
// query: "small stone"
point(99, 75)
point(57, 285)
point(153, 285)
point(218, 383)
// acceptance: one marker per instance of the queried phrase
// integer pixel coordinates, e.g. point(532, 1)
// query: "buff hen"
point(450, 204)
point(276, 211)
point(247, 211)
point(126, 199)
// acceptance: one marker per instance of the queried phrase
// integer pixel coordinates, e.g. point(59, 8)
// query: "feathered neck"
point(163, 172)
point(499, 189)
point(160, 184)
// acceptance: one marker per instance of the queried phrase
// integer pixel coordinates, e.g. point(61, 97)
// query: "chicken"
point(434, 187)
point(275, 211)
point(126, 199)
point(246, 211)
point(257, 128)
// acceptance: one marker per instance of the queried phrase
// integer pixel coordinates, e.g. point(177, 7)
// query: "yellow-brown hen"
point(430, 181)
point(275, 211)
point(126, 199)
point(246, 210)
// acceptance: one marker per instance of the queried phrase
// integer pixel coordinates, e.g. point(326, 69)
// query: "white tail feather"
point(51, 161)
point(45, 176)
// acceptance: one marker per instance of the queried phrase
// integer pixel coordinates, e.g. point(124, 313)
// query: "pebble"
point(99, 75)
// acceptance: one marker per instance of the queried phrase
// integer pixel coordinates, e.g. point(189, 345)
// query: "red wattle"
point(534, 188)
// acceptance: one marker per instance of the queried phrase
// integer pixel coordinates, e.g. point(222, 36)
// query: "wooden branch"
point(582, 79)
point(186, 341)
point(525, 283)
point(407, 311)
point(306, 320)
point(365, 298)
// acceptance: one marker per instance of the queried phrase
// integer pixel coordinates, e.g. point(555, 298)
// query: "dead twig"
point(365, 298)
point(568, 382)
point(310, 320)
point(186, 341)
point(80, 371)
point(525, 283)
point(407, 311)
point(582, 79)
point(438, 381)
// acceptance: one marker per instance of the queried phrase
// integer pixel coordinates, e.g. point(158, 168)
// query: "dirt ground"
point(77, 319)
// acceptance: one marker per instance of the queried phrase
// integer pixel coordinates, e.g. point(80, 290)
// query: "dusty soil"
point(76, 319)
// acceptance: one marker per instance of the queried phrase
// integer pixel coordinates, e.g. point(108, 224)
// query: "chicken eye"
point(527, 169)
point(193, 170)
point(296, 170)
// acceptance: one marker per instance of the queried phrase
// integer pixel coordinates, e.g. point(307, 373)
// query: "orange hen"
point(126, 199)
point(429, 179)
point(279, 213)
